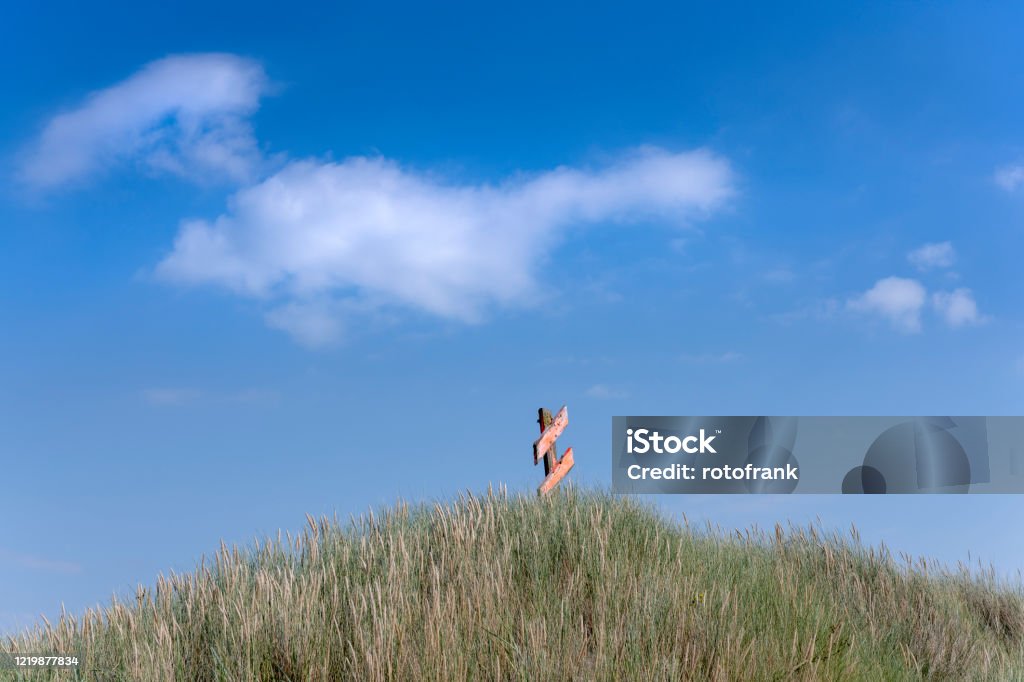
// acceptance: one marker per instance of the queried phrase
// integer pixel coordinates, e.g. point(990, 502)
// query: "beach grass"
point(579, 585)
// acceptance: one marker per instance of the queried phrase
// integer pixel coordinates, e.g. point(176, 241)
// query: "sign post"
point(546, 446)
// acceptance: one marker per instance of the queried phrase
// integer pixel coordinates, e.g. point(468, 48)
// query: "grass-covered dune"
point(579, 585)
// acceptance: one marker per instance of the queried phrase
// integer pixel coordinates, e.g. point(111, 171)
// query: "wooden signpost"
point(555, 469)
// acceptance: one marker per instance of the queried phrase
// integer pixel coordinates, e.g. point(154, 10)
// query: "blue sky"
point(259, 262)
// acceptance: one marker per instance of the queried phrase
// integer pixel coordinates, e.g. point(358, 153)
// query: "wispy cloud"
point(170, 396)
point(712, 358)
point(957, 308)
point(897, 299)
point(935, 255)
point(313, 324)
point(819, 310)
point(185, 115)
point(173, 397)
point(254, 396)
point(779, 275)
point(604, 392)
point(368, 231)
point(37, 563)
point(1010, 177)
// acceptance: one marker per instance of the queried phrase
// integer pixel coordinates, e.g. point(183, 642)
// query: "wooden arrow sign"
point(555, 469)
point(562, 467)
point(549, 432)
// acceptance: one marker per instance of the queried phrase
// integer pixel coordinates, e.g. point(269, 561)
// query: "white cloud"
point(184, 114)
point(958, 307)
point(935, 255)
point(1010, 177)
point(897, 299)
point(604, 392)
point(367, 230)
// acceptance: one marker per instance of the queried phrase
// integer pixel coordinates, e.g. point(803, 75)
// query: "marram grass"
point(580, 585)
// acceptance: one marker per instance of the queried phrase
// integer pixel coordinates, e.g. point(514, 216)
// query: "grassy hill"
point(577, 586)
